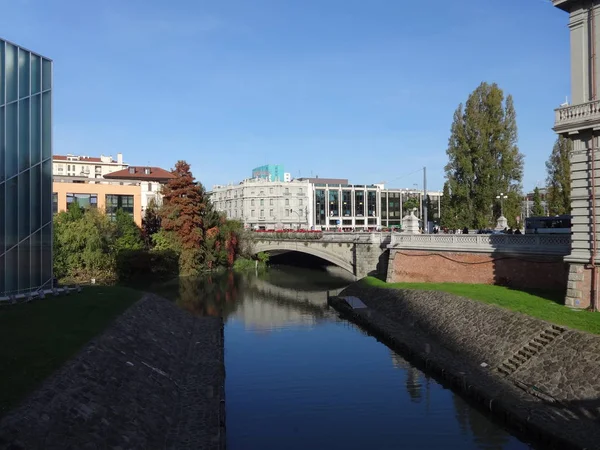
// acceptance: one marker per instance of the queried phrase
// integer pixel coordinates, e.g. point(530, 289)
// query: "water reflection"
point(300, 377)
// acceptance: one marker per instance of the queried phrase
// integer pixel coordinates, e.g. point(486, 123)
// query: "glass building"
point(25, 170)
point(272, 172)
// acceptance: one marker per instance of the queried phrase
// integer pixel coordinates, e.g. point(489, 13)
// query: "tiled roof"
point(140, 173)
point(80, 158)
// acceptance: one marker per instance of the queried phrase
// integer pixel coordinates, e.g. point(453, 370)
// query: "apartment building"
point(130, 190)
point(266, 205)
point(86, 166)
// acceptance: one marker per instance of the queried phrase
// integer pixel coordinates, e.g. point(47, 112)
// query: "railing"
point(573, 114)
point(327, 236)
point(485, 243)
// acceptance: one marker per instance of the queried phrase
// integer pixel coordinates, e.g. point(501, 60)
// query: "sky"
point(355, 89)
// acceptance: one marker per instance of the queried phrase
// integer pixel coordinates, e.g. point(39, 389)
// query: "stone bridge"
point(362, 254)
point(358, 253)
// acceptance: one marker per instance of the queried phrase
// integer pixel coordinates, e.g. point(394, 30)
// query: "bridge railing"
point(485, 243)
point(326, 236)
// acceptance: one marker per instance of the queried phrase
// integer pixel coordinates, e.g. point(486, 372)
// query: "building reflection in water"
point(261, 305)
point(487, 435)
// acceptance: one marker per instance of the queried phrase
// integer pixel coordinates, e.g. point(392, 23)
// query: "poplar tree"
point(538, 209)
point(484, 160)
point(558, 167)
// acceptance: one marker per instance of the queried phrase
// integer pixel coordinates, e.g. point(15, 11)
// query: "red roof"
point(80, 158)
point(141, 173)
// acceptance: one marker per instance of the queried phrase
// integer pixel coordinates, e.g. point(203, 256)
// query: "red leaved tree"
point(182, 216)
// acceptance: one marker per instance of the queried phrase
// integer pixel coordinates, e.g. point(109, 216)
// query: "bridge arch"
point(311, 249)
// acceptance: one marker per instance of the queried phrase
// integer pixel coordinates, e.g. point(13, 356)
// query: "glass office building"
point(25, 170)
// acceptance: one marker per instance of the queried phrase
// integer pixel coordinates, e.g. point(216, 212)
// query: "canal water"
point(299, 377)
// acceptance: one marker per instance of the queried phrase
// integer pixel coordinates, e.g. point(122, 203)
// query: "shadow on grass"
point(554, 295)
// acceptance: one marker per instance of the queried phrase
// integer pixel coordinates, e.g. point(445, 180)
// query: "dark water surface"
point(298, 377)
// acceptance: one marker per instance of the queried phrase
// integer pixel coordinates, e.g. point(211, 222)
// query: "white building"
point(266, 205)
point(86, 166)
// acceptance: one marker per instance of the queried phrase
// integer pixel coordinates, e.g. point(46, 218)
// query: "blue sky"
point(357, 89)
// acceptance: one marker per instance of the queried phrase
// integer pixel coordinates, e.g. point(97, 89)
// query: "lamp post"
point(502, 197)
point(299, 213)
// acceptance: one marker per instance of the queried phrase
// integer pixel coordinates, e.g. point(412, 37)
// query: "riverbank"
point(538, 377)
point(154, 379)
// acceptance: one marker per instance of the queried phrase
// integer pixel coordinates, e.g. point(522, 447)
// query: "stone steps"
point(529, 350)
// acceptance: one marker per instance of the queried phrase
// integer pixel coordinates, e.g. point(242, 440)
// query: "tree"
point(538, 209)
point(484, 160)
point(83, 245)
point(411, 203)
point(448, 215)
point(150, 223)
point(128, 236)
point(184, 205)
point(558, 197)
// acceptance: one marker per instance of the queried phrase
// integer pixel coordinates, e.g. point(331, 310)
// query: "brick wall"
point(519, 271)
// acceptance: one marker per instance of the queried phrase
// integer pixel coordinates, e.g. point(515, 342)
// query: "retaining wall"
point(519, 271)
point(154, 379)
point(551, 390)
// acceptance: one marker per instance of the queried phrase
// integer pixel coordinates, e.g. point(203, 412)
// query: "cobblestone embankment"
point(154, 379)
point(541, 379)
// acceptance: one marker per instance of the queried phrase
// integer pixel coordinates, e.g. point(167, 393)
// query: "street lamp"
point(502, 197)
point(299, 213)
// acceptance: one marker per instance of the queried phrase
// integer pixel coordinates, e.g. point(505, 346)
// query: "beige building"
point(267, 205)
point(86, 166)
point(130, 189)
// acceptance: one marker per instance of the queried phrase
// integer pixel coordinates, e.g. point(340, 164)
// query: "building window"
point(320, 207)
point(262, 192)
point(359, 205)
point(54, 202)
point(270, 190)
point(287, 202)
point(372, 203)
point(299, 202)
point(262, 202)
point(147, 170)
point(252, 213)
point(132, 170)
point(287, 190)
point(262, 213)
point(271, 213)
point(149, 187)
point(116, 202)
point(271, 202)
point(83, 200)
point(300, 191)
point(287, 212)
point(252, 202)
point(347, 203)
point(334, 203)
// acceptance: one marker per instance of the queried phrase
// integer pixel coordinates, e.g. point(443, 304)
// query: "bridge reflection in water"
point(297, 376)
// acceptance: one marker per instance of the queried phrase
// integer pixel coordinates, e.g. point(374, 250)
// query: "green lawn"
point(38, 337)
point(546, 305)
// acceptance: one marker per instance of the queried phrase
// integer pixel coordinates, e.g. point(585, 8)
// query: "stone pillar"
point(410, 223)
point(579, 121)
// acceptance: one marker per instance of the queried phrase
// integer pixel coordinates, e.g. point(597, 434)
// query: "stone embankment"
point(540, 378)
point(154, 379)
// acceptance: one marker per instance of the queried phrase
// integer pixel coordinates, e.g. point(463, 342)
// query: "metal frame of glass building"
point(25, 171)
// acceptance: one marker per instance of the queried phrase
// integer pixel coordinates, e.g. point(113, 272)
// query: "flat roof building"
point(25, 171)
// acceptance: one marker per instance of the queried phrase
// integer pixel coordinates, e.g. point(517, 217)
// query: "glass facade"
point(116, 202)
point(25, 170)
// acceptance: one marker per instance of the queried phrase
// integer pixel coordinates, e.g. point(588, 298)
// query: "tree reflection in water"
point(211, 295)
point(469, 419)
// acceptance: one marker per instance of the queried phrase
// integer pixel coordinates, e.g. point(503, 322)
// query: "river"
point(299, 377)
